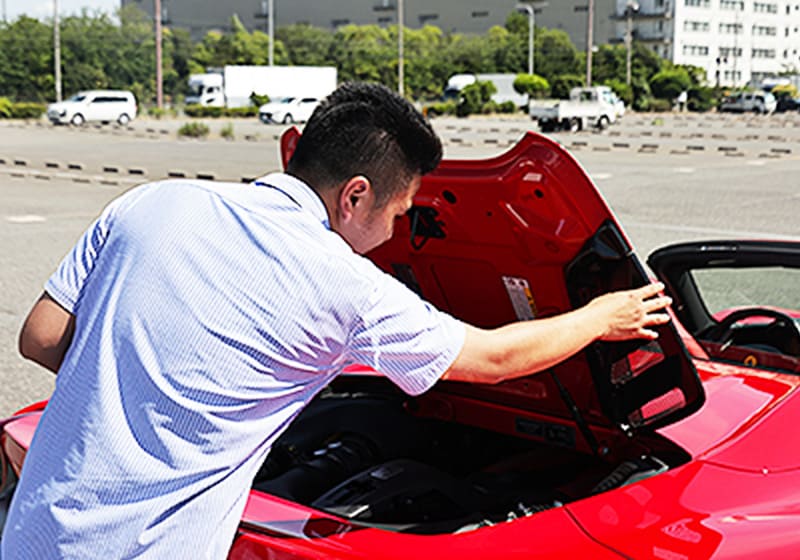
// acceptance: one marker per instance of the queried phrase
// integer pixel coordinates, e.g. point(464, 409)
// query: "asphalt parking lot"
point(668, 178)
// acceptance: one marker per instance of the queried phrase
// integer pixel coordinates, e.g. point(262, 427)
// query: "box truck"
point(232, 86)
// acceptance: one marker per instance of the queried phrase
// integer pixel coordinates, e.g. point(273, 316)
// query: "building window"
point(339, 22)
point(385, 20)
point(736, 5)
point(698, 3)
point(731, 75)
point(725, 52)
point(424, 18)
point(696, 26)
point(763, 53)
point(483, 13)
point(695, 50)
point(731, 28)
point(765, 30)
point(580, 9)
point(765, 8)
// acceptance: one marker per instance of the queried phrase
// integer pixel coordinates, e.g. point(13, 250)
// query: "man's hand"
point(525, 347)
point(629, 313)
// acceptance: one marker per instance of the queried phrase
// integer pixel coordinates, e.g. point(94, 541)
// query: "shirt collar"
point(299, 192)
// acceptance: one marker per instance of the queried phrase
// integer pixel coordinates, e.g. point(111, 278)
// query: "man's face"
point(373, 226)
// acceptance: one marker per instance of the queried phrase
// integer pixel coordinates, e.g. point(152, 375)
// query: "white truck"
point(587, 107)
point(232, 86)
point(504, 83)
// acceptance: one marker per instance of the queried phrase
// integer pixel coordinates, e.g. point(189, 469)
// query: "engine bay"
point(364, 451)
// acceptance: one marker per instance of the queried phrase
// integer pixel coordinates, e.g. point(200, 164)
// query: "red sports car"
point(680, 448)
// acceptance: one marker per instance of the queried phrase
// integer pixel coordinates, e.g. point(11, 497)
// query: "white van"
point(97, 105)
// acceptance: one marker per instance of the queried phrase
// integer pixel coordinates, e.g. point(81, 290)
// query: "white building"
point(737, 42)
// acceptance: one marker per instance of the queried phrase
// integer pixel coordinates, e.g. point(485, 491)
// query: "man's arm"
point(47, 333)
point(519, 349)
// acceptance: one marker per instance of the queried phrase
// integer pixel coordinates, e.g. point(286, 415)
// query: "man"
point(194, 320)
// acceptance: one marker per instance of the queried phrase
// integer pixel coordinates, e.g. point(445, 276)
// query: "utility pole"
point(528, 8)
point(589, 42)
point(56, 49)
point(630, 9)
point(5, 17)
point(400, 60)
point(159, 77)
point(271, 31)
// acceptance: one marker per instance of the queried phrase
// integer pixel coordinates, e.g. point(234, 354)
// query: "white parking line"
point(601, 176)
point(684, 170)
point(756, 162)
point(26, 219)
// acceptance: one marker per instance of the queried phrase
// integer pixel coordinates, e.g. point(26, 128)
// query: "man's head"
point(363, 151)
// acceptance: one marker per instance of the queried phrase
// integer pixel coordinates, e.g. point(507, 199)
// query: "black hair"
point(365, 129)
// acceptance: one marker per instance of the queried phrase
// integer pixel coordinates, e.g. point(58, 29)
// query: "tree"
point(555, 54)
point(26, 60)
point(668, 84)
point(306, 45)
point(235, 47)
point(473, 97)
point(623, 90)
point(562, 85)
point(365, 53)
point(534, 86)
point(426, 71)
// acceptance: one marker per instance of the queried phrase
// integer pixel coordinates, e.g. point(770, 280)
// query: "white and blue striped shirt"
point(207, 316)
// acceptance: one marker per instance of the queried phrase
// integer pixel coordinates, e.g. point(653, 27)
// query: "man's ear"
point(354, 197)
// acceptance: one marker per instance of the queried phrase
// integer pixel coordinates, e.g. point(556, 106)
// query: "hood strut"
point(576, 415)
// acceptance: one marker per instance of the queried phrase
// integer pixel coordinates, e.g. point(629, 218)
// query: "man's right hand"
point(526, 347)
point(630, 313)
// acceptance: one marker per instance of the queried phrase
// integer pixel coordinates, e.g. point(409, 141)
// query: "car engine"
point(360, 453)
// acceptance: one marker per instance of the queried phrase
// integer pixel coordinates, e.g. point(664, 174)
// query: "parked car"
point(98, 105)
point(761, 102)
point(786, 103)
point(288, 110)
point(682, 447)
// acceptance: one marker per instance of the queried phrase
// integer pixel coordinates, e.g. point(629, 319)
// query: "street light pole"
point(589, 42)
point(400, 52)
point(630, 9)
point(159, 77)
point(528, 8)
point(56, 50)
point(271, 31)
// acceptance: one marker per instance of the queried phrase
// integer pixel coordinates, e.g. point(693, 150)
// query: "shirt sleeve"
point(404, 337)
point(66, 283)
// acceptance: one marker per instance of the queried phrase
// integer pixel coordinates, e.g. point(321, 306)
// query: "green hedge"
point(440, 108)
point(202, 111)
point(193, 130)
point(9, 110)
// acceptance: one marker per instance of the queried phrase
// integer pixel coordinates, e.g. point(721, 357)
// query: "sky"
point(44, 8)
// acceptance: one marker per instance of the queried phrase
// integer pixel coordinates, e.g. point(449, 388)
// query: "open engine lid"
point(526, 235)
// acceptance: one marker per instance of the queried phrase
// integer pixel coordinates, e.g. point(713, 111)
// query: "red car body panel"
point(296, 532)
point(738, 496)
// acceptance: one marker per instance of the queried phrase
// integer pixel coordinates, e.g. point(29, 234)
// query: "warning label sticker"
point(519, 292)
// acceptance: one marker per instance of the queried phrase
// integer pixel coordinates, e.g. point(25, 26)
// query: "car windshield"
point(286, 100)
point(754, 309)
point(77, 98)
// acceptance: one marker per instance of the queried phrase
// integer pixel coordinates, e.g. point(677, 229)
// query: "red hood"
point(526, 235)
